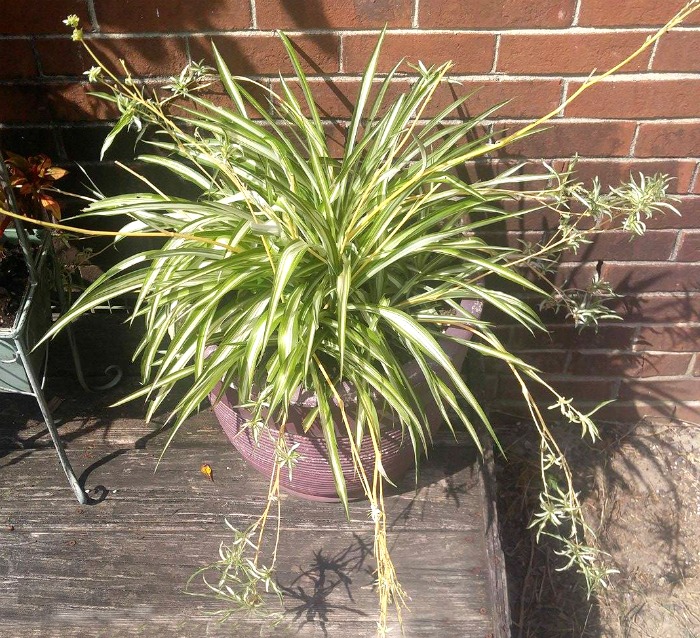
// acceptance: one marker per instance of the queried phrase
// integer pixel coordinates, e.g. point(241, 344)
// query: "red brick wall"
point(533, 52)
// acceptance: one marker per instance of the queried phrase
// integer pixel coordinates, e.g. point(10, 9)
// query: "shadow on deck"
point(118, 567)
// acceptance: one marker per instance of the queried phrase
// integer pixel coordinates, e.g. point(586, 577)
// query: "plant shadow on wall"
point(297, 281)
point(153, 60)
point(314, 14)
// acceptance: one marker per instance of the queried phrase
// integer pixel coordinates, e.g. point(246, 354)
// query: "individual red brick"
point(672, 277)
point(23, 103)
point(84, 143)
point(577, 275)
point(502, 331)
point(498, 15)
point(679, 338)
point(29, 140)
point(532, 221)
point(336, 98)
point(608, 245)
point(265, 54)
point(581, 390)
point(689, 248)
point(608, 337)
point(470, 52)
point(614, 173)
point(218, 96)
point(47, 17)
point(17, 60)
point(619, 246)
point(335, 133)
point(324, 14)
point(677, 51)
point(563, 138)
point(549, 362)
point(568, 53)
point(62, 56)
point(678, 390)
point(144, 57)
point(634, 411)
point(71, 102)
point(173, 16)
point(646, 13)
point(628, 365)
point(663, 308)
point(662, 139)
point(521, 98)
point(623, 98)
point(487, 389)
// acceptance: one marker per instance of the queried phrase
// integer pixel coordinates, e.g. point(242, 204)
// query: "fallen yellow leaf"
point(207, 471)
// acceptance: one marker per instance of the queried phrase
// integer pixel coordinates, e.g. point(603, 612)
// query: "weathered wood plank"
point(118, 567)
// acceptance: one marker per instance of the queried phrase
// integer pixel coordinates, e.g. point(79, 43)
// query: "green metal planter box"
point(32, 321)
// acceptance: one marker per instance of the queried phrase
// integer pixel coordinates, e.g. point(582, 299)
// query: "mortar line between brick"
point(524, 353)
point(650, 64)
point(414, 17)
point(460, 77)
point(662, 325)
point(485, 77)
point(562, 98)
point(93, 15)
point(639, 262)
point(695, 179)
point(616, 384)
point(577, 13)
point(676, 246)
point(691, 364)
point(554, 377)
point(566, 120)
point(597, 120)
point(496, 51)
point(606, 159)
point(253, 15)
point(635, 137)
point(60, 145)
point(411, 30)
point(567, 361)
point(333, 31)
point(37, 57)
point(341, 53)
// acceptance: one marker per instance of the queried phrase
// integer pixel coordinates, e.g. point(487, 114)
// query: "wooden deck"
point(118, 566)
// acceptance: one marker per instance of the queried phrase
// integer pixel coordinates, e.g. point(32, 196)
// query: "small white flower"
point(72, 21)
point(93, 73)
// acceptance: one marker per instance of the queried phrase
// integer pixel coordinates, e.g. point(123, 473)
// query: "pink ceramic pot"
point(312, 477)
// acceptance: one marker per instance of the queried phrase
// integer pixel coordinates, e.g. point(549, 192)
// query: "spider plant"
point(294, 268)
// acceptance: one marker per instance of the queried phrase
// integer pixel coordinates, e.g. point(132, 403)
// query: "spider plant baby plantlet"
point(341, 285)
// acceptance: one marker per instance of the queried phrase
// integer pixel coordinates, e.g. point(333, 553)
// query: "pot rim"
point(307, 398)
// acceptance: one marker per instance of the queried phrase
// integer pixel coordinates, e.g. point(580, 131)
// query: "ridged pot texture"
point(312, 477)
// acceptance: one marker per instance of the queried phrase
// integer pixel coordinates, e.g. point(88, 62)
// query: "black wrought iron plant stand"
point(22, 365)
